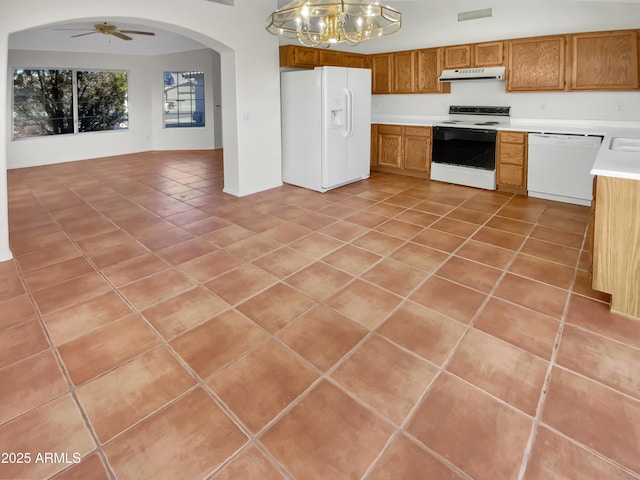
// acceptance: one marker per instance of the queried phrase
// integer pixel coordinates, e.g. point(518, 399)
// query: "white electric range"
point(464, 147)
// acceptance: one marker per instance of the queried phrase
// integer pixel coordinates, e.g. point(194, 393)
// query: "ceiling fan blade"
point(83, 34)
point(121, 35)
point(136, 32)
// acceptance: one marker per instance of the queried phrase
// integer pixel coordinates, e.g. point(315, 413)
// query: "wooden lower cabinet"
point(389, 146)
point(401, 149)
point(616, 250)
point(511, 161)
point(416, 149)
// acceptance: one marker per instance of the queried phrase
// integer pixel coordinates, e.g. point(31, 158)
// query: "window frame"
point(75, 103)
point(194, 100)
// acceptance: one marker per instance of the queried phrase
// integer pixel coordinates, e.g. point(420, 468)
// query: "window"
point(183, 99)
point(53, 102)
point(42, 102)
point(102, 101)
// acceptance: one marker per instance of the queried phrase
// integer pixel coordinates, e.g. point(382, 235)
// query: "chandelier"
point(327, 22)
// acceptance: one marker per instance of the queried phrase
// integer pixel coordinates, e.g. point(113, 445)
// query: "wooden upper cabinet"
point(429, 64)
point(489, 54)
point(330, 58)
point(354, 60)
point(295, 56)
point(605, 61)
point(404, 72)
point(536, 64)
point(381, 73)
point(457, 57)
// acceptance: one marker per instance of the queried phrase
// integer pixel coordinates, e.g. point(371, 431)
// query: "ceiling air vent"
point(475, 14)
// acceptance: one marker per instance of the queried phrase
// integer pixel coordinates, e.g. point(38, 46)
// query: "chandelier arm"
point(327, 22)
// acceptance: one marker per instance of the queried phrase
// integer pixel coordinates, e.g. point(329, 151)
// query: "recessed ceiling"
point(59, 38)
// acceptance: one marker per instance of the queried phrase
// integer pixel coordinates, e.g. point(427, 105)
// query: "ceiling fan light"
point(327, 22)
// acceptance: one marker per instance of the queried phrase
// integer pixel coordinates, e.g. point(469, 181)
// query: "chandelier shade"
point(327, 22)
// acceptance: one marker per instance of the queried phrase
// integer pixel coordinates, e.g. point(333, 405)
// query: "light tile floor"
point(396, 328)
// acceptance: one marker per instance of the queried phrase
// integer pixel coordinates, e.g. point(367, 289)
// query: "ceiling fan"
point(110, 29)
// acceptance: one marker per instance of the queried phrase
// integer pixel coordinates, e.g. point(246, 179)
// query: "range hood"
point(488, 73)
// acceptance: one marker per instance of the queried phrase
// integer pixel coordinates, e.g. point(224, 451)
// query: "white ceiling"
point(59, 38)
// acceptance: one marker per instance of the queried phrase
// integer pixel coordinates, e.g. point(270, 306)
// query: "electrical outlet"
point(619, 107)
point(543, 106)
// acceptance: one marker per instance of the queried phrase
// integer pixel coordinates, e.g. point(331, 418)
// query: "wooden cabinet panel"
point(535, 64)
point(489, 54)
point(429, 63)
point(592, 226)
point(510, 175)
point(511, 161)
point(330, 58)
point(512, 137)
point(605, 61)
point(390, 146)
point(374, 145)
point(512, 153)
point(404, 72)
point(354, 60)
point(381, 73)
point(417, 149)
point(295, 56)
point(458, 56)
point(401, 149)
point(616, 246)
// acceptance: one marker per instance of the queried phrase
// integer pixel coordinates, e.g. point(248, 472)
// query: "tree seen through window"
point(43, 102)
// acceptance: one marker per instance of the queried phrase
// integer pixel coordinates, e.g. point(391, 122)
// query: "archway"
point(249, 66)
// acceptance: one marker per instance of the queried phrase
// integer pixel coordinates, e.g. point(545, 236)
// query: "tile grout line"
point(71, 389)
point(547, 380)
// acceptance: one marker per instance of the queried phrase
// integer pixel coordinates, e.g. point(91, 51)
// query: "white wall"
point(604, 106)
point(145, 101)
point(210, 136)
point(249, 64)
point(435, 23)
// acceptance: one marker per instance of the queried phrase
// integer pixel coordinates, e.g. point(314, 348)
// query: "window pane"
point(184, 99)
point(102, 101)
point(42, 102)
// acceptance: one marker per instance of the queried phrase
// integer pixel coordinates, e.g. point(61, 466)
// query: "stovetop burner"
point(477, 117)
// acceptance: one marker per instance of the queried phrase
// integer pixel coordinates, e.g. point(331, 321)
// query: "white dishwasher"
point(559, 166)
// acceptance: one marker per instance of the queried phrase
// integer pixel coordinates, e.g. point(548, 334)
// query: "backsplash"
point(610, 106)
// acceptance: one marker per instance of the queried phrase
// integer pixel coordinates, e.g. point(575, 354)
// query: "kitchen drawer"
point(513, 137)
point(418, 131)
point(512, 153)
point(511, 175)
point(390, 129)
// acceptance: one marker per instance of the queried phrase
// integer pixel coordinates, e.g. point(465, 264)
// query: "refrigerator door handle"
point(349, 107)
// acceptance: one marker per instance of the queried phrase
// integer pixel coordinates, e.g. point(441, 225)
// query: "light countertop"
point(618, 163)
point(609, 162)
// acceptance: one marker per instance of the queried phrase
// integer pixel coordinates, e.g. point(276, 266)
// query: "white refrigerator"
point(326, 126)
